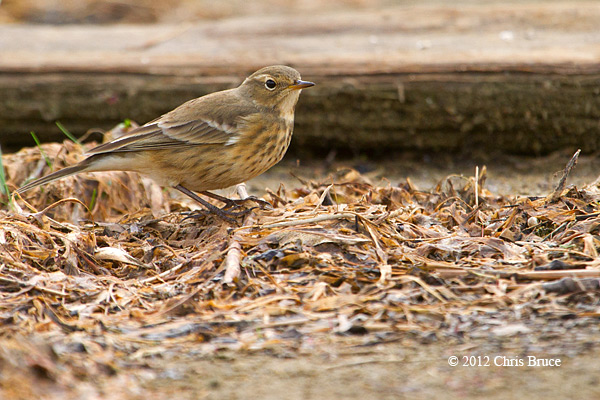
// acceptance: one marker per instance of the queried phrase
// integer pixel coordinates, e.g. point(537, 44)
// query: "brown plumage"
point(212, 142)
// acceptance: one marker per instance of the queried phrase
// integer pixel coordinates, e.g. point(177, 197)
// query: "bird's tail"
point(72, 170)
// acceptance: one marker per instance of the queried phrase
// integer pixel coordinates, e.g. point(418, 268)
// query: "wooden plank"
point(514, 78)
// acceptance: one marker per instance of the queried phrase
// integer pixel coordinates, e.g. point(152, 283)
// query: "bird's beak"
point(298, 84)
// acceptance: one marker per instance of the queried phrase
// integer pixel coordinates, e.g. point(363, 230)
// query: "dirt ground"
point(415, 368)
point(493, 364)
point(404, 369)
point(392, 371)
point(514, 175)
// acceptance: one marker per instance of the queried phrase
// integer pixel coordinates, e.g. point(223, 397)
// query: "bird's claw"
point(235, 203)
point(223, 213)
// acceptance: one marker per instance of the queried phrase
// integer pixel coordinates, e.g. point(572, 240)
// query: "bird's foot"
point(235, 203)
point(262, 204)
point(223, 213)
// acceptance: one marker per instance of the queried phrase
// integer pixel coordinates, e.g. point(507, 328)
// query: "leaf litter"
point(140, 274)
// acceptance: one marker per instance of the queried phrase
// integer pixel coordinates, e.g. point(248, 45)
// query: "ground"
point(403, 369)
point(318, 351)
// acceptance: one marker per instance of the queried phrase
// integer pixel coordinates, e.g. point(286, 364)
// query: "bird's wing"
point(180, 129)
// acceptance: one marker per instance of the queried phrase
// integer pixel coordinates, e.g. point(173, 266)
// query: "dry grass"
point(85, 294)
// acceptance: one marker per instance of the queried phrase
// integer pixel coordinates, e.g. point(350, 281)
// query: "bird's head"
point(276, 87)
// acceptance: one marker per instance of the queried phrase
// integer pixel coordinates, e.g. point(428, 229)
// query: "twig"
point(163, 274)
point(322, 198)
point(320, 218)
point(570, 285)
point(233, 257)
point(241, 190)
point(432, 291)
point(37, 215)
point(286, 322)
point(276, 197)
point(533, 275)
point(563, 180)
point(385, 270)
point(476, 186)
point(34, 286)
point(359, 363)
point(232, 260)
point(50, 313)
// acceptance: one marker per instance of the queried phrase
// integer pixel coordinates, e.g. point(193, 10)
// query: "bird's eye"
point(270, 84)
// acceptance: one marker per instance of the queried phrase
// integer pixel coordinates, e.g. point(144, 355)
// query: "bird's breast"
point(262, 143)
point(265, 145)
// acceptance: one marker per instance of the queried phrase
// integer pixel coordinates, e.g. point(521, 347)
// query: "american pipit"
point(212, 142)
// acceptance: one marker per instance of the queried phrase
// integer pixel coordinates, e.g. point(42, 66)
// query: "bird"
point(208, 143)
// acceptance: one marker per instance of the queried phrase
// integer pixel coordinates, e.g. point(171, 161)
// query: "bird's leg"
point(221, 213)
point(238, 203)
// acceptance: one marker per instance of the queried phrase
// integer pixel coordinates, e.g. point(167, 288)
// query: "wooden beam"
point(517, 78)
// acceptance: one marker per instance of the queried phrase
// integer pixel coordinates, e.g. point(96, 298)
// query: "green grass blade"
point(39, 145)
point(93, 201)
point(67, 133)
point(3, 185)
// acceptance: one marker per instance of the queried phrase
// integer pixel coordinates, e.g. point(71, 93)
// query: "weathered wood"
point(516, 78)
